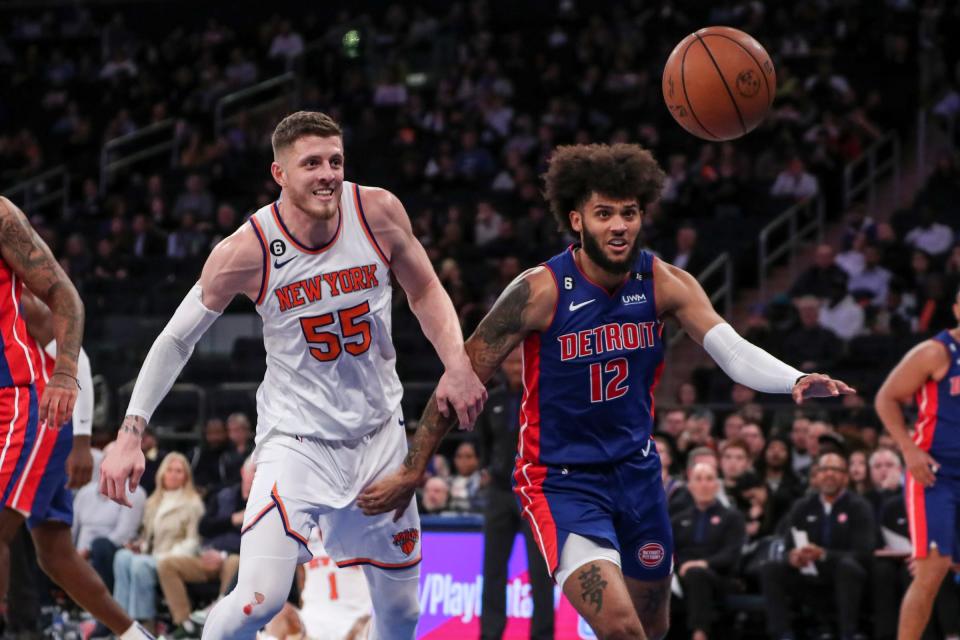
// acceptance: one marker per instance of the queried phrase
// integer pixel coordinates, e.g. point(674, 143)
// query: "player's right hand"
point(121, 469)
point(921, 465)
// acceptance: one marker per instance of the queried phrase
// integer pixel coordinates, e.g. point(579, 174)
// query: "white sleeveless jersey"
point(331, 364)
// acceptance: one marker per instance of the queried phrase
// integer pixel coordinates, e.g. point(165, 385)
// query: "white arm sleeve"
point(170, 351)
point(83, 408)
point(748, 364)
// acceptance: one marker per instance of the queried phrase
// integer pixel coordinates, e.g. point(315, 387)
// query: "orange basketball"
point(719, 83)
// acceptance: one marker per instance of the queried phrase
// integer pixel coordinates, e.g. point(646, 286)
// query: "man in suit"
point(841, 531)
point(498, 427)
point(708, 538)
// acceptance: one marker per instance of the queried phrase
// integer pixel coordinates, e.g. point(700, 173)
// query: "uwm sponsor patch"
point(296, 294)
point(406, 540)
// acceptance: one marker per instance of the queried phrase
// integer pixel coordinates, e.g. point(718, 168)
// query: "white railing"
point(863, 175)
point(49, 187)
point(799, 221)
point(259, 97)
point(149, 142)
point(721, 296)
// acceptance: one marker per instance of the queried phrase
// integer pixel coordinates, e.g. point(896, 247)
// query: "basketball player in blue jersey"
point(930, 373)
point(318, 265)
point(590, 320)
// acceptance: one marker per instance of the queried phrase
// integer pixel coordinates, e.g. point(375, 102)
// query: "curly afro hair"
point(620, 171)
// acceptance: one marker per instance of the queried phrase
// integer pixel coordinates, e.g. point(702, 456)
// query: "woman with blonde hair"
point(170, 519)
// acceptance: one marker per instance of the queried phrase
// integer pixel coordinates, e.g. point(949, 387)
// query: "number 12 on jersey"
point(616, 372)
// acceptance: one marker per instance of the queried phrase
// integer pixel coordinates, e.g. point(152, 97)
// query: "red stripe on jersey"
point(927, 415)
point(536, 510)
point(22, 496)
point(21, 362)
point(653, 387)
point(917, 516)
point(15, 412)
point(530, 403)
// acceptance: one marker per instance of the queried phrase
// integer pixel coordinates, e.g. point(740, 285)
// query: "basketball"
point(719, 83)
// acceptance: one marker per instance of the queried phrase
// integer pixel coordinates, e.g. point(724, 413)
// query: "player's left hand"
point(391, 493)
point(79, 463)
point(819, 385)
point(461, 389)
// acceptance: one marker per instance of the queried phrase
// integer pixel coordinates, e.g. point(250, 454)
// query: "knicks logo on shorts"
point(406, 540)
point(651, 555)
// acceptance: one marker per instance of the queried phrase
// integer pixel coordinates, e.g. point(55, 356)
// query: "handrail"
point(724, 292)
point(812, 210)
point(877, 165)
point(129, 150)
point(36, 192)
point(164, 431)
point(287, 80)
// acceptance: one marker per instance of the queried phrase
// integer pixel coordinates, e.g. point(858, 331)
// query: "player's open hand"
point(56, 403)
point(921, 466)
point(461, 389)
point(121, 469)
point(819, 385)
point(390, 493)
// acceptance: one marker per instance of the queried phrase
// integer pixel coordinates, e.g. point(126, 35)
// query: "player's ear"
point(576, 221)
point(278, 174)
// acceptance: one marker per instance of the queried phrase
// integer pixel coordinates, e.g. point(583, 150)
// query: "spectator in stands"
point(776, 469)
point(465, 493)
point(287, 44)
point(840, 313)
point(672, 422)
point(153, 455)
point(147, 243)
point(818, 278)
point(734, 462)
point(930, 236)
point(696, 432)
point(687, 395)
point(707, 542)
point(685, 254)
point(219, 557)
point(859, 473)
point(171, 516)
point(886, 479)
point(852, 260)
point(487, 224)
point(752, 498)
point(840, 528)
point(101, 526)
point(240, 434)
point(817, 347)
point(873, 277)
point(671, 482)
point(732, 426)
point(799, 433)
point(206, 459)
point(197, 199)
point(108, 265)
point(897, 315)
point(935, 305)
point(794, 183)
point(435, 496)
point(858, 223)
point(187, 240)
point(752, 435)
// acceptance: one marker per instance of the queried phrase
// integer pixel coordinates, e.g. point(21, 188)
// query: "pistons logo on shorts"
point(651, 555)
point(406, 540)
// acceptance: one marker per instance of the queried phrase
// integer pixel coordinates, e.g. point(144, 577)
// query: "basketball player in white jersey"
point(317, 263)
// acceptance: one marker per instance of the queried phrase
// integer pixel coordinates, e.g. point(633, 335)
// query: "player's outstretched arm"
point(459, 387)
point(925, 361)
point(526, 305)
point(234, 266)
point(679, 294)
point(31, 259)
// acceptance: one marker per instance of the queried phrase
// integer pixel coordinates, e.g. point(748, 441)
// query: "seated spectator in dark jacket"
point(240, 434)
point(783, 484)
point(817, 279)
point(206, 459)
point(886, 479)
point(839, 526)
point(219, 558)
point(685, 253)
point(707, 542)
point(820, 346)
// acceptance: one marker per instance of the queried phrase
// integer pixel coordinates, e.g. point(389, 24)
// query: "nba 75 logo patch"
point(406, 540)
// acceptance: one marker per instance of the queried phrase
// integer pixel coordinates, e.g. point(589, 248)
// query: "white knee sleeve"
point(578, 551)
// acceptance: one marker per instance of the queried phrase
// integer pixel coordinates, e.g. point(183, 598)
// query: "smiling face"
point(310, 171)
point(609, 231)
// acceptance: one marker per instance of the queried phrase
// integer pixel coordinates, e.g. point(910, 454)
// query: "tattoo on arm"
point(134, 425)
point(30, 258)
point(592, 585)
point(493, 340)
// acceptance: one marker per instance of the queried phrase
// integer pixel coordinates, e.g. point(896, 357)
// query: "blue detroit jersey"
point(938, 402)
point(589, 378)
